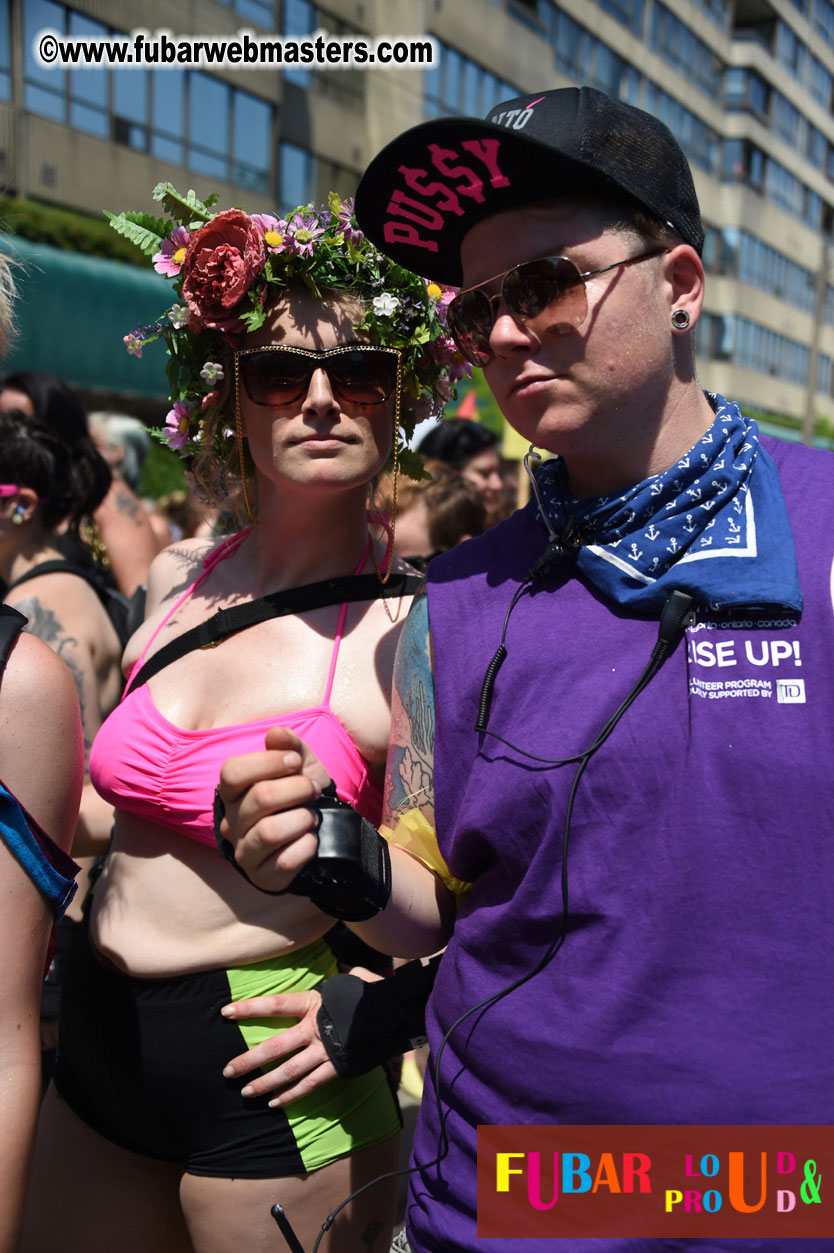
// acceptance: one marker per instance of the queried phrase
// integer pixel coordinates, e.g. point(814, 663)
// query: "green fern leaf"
point(146, 232)
point(184, 208)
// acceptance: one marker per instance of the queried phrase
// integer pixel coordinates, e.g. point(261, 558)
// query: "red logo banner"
point(655, 1181)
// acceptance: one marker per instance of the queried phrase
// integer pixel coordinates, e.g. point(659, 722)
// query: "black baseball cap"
point(427, 188)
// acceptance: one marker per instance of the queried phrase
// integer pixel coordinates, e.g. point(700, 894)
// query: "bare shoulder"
point(171, 574)
point(174, 569)
point(35, 680)
point(41, 743)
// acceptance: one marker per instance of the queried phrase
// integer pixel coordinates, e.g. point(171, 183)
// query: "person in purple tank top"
point(607, 791)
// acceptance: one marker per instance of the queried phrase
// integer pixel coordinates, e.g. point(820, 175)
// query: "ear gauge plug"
point(681, 320)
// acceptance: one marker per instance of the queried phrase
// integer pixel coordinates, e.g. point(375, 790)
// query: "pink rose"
point(222, 261)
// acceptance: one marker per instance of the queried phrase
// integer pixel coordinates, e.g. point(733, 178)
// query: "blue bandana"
point(714, 525)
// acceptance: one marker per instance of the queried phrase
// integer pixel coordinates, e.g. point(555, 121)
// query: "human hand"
point(308, 1068)
point(265, 797)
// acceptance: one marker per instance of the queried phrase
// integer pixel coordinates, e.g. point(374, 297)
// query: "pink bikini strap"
point(339, 629)
point(217, 554)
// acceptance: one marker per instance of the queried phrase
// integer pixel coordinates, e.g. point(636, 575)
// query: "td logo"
point(790, 691)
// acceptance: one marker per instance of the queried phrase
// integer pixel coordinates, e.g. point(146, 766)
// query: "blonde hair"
point(8, 296)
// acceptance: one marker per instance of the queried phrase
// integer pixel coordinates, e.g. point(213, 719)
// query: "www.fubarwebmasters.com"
point(161, 48)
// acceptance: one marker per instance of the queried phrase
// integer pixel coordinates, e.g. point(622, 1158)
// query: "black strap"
point(57, 567)
point(349, 588)
point(64, 567)
point(11, 624)
point(116, 605)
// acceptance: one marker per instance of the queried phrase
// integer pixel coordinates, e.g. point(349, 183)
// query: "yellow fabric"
point(414, 834)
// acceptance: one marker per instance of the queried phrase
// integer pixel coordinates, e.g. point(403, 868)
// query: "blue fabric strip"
point(48, 866)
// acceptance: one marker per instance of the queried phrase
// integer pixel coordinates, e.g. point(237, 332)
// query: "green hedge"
point(162, 472)
point(66, 229)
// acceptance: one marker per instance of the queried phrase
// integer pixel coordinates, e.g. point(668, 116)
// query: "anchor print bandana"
point(714, 525)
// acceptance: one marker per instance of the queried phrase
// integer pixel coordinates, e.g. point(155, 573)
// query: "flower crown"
point(223, 265)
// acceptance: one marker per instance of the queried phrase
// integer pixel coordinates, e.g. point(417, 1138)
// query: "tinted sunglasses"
point(280, 374)
point(554, 284)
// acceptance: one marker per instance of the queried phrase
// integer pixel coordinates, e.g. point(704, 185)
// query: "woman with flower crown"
point(298, 355)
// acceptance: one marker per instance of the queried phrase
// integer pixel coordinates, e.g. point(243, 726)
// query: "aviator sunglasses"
point(548, 283)
point(280, 374)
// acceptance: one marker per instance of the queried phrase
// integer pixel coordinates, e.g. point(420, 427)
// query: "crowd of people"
point(505, 805)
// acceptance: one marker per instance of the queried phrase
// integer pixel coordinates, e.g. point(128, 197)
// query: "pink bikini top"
point(142, 763)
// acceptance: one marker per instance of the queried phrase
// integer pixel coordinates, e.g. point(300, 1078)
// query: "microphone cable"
point(676, 615)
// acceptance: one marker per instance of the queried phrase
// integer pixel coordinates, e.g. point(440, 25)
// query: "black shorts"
point(141, 1062)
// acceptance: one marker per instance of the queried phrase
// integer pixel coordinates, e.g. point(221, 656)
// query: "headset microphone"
point(561, 551)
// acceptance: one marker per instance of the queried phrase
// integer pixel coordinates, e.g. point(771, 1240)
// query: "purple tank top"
point(694, 985)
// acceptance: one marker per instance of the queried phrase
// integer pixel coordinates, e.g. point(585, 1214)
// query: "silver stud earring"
point(681, 320)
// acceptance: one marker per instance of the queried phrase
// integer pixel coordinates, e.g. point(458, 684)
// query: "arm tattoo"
point(410, 773)
point(44, 624)
point(128, 505)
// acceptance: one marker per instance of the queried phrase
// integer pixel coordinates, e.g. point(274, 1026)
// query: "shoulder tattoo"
point(410, 778)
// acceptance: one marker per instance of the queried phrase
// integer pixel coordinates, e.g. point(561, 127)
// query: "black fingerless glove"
point(363, 1024)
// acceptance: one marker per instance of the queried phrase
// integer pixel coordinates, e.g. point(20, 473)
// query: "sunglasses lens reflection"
point(364, 377)
point(470, 321)
point(529, 290)
point(281, 378)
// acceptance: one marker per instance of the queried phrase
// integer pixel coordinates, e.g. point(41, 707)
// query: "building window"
point(44, 90)
point(185, 118)
point(763, 267)
point(758, 348)
point(785, 119)
point(628, 12)
point(791, 52)
point(251, 142)
point(306, 179)
point(5, 53)
point(528, 12)
point(130, 115)
point(823, 20)
point(302, 18)
point(743, 163)
point(168, 116)
point(261, 11)
point(714, 337)
point(587, 59)
point(681, 47)
point(455, 84)
point(745, 90)
point(717, 10)
point(89, 87)
point(700, 143)
point(208, 126)
point(789, 193)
